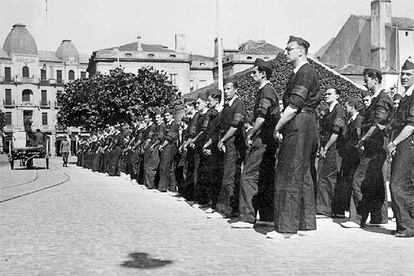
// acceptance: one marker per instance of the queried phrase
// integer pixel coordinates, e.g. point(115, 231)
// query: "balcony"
point(9, 104)
point(32, 80)
point(57, 104)
point(44, 104)
point(46, 127)
point(8, 127)
point(5, 80)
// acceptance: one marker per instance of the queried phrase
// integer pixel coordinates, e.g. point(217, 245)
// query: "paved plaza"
point(71, 221)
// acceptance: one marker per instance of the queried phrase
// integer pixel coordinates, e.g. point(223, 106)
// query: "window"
point(59, 76)
point(58, 94)
point(26, 95)
point(25, 72)
point(8, 97)
point(44, 118)
point(7, 73)
point(42, 74)
point(173, 79)
point(83, 75)
point(8, 118)
point(43, 97)
point(71, 75)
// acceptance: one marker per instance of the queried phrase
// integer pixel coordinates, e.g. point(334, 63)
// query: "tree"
point(114, 98)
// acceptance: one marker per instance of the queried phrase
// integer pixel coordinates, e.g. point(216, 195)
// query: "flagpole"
point(220, 52)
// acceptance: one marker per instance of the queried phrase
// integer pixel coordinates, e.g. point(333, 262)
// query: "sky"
point(98, 24)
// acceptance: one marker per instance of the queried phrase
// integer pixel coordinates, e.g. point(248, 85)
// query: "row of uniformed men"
point(269, 166)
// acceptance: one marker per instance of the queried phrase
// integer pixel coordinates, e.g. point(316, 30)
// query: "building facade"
point(378, 41)
point(185, 70)
point(31, 79)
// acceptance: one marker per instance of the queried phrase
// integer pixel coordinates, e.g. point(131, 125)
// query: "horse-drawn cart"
point(25, 154)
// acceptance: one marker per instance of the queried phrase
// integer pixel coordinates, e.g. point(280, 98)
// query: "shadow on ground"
point(144, 261)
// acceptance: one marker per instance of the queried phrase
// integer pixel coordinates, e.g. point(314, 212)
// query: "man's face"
point(212, 102)
point(407, 78)
point(147, 119)
point(256, 75)
point(330, 95)
point(168, 117)
point(188, 109)
point(367, 101)
point(349, 109)
point(158, 118)
point(201, 104)
point(369, 82)
point(229, 91)
point(293, 52)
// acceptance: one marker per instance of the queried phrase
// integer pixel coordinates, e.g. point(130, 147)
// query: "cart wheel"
point(12, 164)
point(47, 163)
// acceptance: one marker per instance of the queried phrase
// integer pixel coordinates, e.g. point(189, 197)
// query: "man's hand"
point(220, 144)
point(277, 135)
point(391, 148)
point(322, 152)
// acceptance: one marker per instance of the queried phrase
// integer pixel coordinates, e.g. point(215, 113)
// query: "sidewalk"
point(99, 225)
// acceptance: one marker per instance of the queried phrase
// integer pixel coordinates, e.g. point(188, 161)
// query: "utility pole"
point(220, 52)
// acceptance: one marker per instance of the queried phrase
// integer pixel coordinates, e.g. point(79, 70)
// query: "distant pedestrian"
point(64, 151)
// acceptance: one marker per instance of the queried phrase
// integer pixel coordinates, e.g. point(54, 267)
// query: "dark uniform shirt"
point(333, 123)
point(171, 132)
point(233, 116)
point(404, 115)
point(267, 106)
point(379, 112)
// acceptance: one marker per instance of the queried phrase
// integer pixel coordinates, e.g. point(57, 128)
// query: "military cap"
point(397, 97)
point(300, 41)
point(213, 92)
point(264, 65)
point(231, 80)
point(202, 96)
point(366, 93)
point(408, 65)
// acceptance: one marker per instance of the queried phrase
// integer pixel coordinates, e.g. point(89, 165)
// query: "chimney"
point(180, 43)
point(380, 16)
point(139, 44)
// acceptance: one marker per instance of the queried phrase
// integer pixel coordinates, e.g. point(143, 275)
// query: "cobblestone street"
point(92, 224)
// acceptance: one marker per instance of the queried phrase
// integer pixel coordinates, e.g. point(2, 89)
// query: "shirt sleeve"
point(410, 117)
point(193, 126)
point(383, 111)
point(239, 114)
point(339, 122)
point(303, 84)
point(268, 99)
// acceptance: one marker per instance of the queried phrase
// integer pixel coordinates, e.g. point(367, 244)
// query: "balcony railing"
point(60, 128)
point(44, 104)
point(6, 80)
point(33, 79)
point(8, 127)
point(10, 103)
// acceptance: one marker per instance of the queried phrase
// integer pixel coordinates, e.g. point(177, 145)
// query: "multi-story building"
point(31, 79)
point(379, 41)
point(186, 71)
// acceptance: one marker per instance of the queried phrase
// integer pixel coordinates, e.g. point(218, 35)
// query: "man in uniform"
point(368, 188)
point(349, 154)
point(402, 146)
point(147, 135)
point(332, 128)
point(257, 178)
point(294, 198)
point(168, 151)
point(153, 159)
point(232, 145)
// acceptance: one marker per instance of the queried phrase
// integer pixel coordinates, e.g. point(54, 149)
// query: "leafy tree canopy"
point(114, 98)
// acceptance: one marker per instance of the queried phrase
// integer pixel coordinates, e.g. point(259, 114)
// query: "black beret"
point(299, 41)
point(397, 97)
point(214, 92)
point(231, 80)
point(202, 96)
point(157, 111)
point(408, 65)
point(370, 71)
point(366, 93)
point(264, 65)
